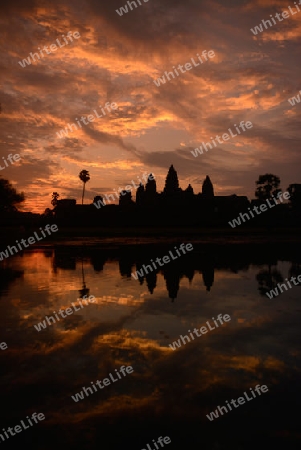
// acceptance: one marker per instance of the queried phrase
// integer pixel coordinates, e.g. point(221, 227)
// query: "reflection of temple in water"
point(208, 275)
point(268, 279)
point(172, 279)
point(186, 267)
point(84, 290)
point(125, 267)
point(8, 276)
point(294, 271)
point(63, 259)
point(151, 281)
point(98, 261)
point(203, 263)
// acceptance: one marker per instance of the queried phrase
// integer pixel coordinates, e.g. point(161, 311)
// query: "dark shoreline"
point(136, 241)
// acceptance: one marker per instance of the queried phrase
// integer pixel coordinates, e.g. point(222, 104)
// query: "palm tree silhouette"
point(84, 176)
point(55, 197)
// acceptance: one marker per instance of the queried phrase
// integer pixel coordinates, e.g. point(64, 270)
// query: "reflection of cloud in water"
point(130, 326)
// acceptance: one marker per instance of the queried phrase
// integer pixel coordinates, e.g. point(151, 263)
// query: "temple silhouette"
point(172, 207)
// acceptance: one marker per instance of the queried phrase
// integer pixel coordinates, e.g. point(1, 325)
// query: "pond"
point(171, 389)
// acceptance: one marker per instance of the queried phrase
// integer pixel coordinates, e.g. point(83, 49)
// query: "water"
point(132, 323)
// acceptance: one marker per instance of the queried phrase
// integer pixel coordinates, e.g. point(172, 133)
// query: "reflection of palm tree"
point(84, 176)
point(84, 291)
point(268, 279)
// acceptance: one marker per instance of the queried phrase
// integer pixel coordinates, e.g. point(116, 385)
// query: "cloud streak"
point(116, 60)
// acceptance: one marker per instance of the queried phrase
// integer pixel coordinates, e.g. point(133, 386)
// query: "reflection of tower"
point(84, 290)
point(63, 260)
point(139, 269)
point(151, 281)
point(294, 271)
point(125, 267)
point(188, 270)
point(208, 275)
point(172, 283)
point(98, 261)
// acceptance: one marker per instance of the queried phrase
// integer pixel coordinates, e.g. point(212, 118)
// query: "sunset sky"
point(116, 60)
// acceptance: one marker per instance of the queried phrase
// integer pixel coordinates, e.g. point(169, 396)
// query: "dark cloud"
point(8, 7)
point(107, 138)
point(116, 60)
point(150, 20)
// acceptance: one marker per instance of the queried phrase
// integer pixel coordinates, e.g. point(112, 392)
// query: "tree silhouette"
point(268, 185)
point(48, 213)
point(268, 279)
point(295, 195)
point(84, 177)
point(9, 197)
point(54, 199)
point(98, 198)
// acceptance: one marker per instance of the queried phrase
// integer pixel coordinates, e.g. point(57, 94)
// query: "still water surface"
point(132, 323)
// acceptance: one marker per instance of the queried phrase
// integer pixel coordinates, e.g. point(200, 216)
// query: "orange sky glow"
point(116, 59)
